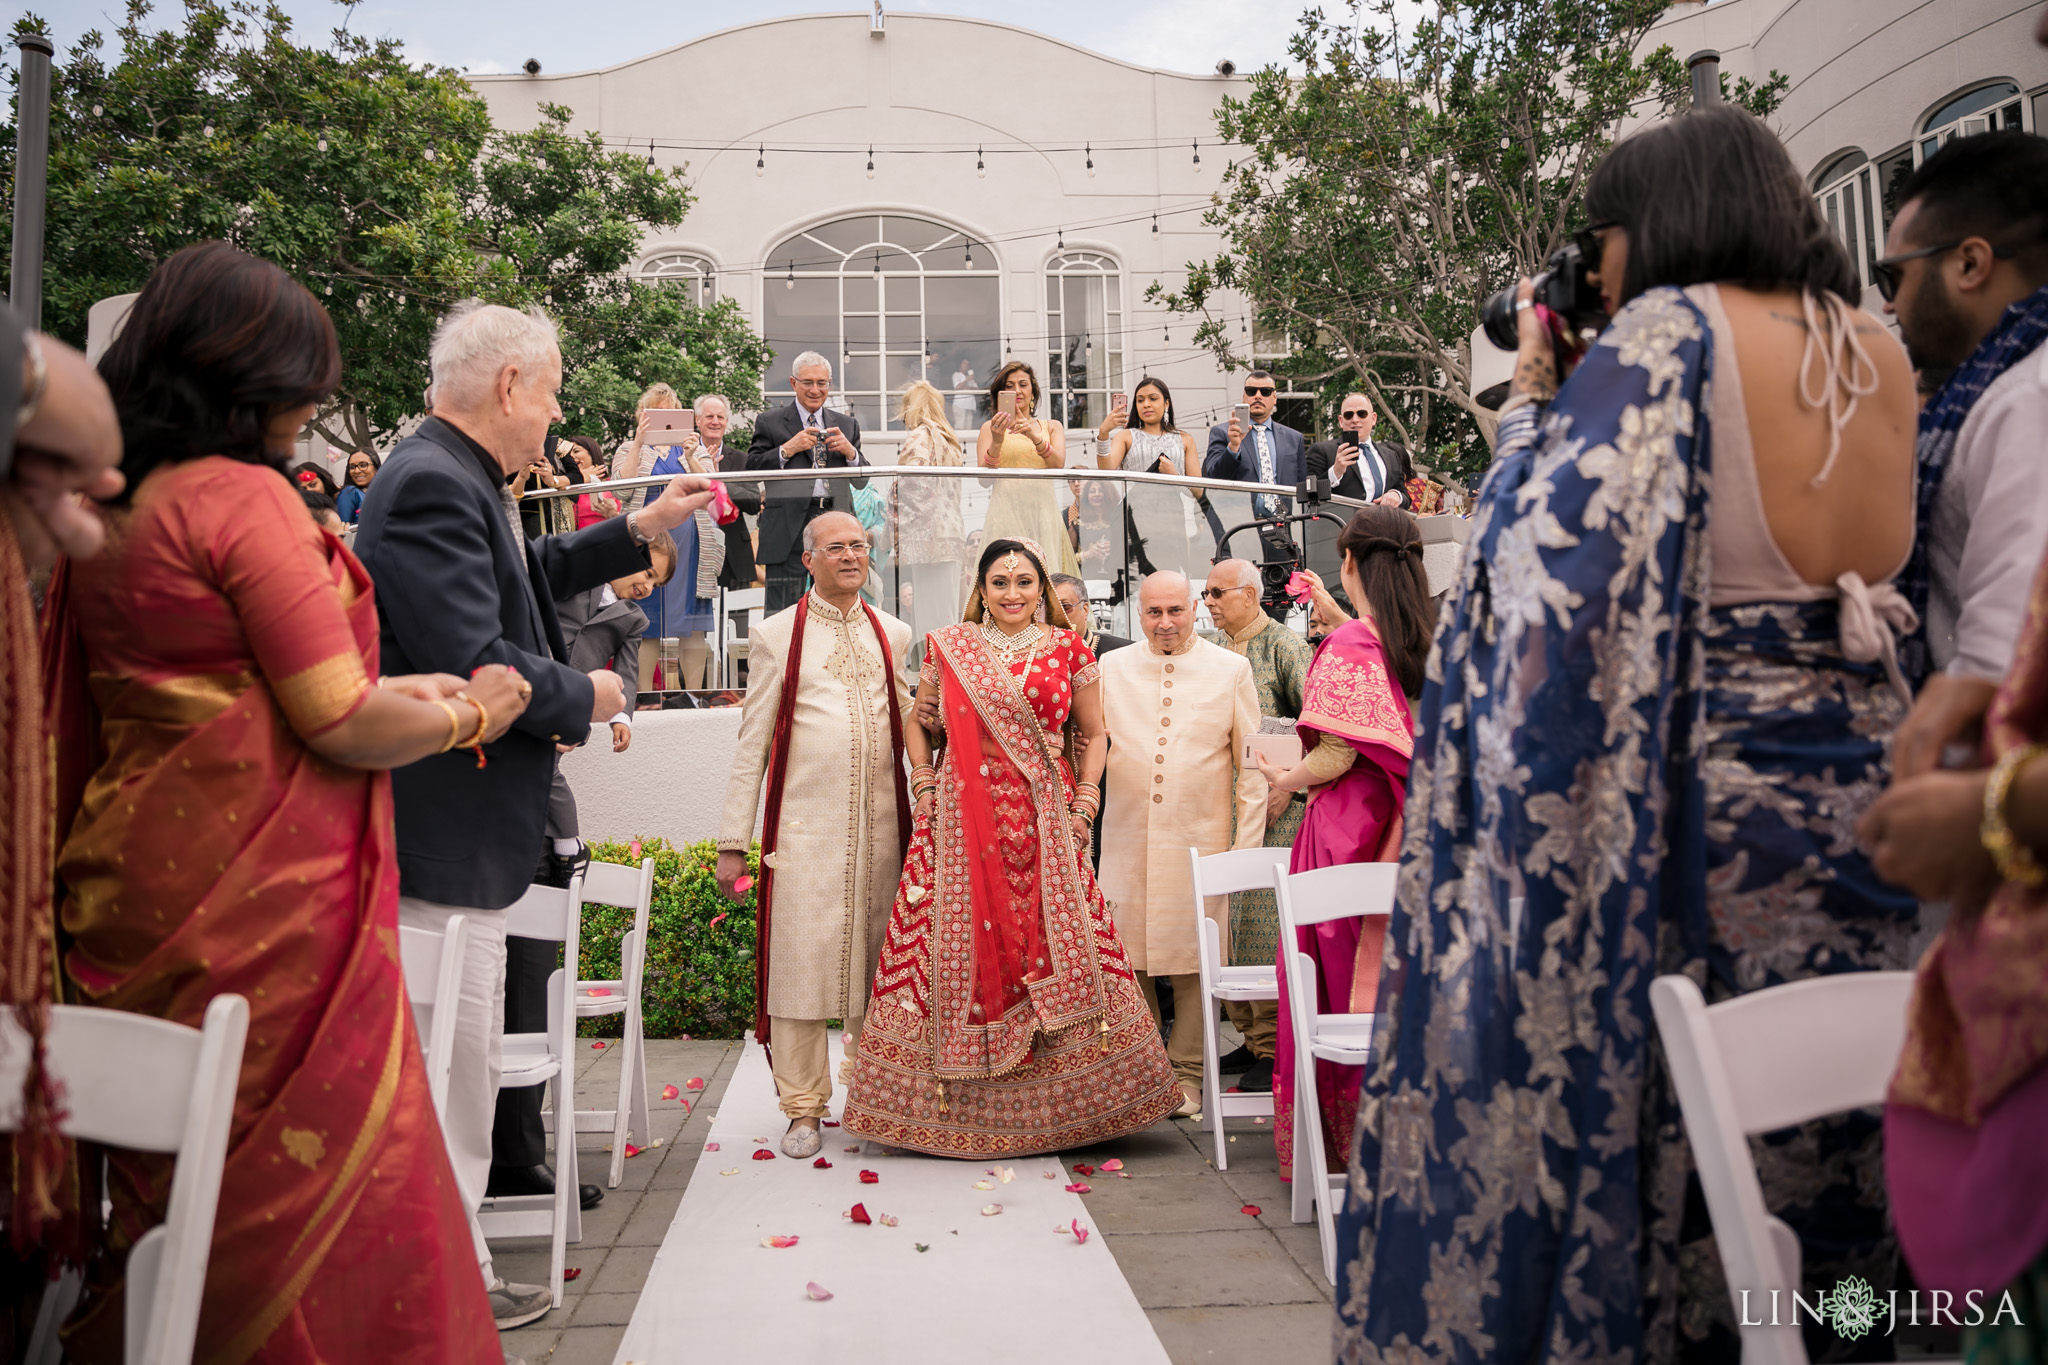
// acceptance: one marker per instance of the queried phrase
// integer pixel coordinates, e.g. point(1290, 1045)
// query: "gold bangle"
point(483, 721)
point(454, 726)
point(2016, 862)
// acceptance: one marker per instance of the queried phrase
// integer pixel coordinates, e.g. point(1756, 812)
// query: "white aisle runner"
point(992, 1289)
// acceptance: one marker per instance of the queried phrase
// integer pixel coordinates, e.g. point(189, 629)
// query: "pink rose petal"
point(634, 850)
point(597, 991)
point(1078, 1189)
point(669, 1092)
point(1080, 1233)
point(742, 885)
point(1113, 1164)
point(991, 1210)
point(887, 1220)
point(779, 1243)
point(710, 1146)
point(1251, 1210)
point(694, 1083)
point(817, 1291)
point(715, 919)
point(595, 1046)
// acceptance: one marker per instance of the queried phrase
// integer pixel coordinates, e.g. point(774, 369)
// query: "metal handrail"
point(937, 471)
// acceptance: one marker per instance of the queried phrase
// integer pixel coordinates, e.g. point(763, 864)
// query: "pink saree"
point(1356, 818)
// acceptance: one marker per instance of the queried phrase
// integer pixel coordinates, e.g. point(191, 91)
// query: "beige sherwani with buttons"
point(1177, 730)
point(837, 857)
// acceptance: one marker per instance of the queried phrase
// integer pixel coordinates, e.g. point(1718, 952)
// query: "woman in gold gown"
point(1024, 509)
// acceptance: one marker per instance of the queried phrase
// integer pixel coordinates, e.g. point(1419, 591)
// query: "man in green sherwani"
point(1279, 660)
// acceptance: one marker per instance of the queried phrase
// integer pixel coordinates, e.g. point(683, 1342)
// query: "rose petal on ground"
point(859, 1214)
point(829, 1123)
point(779, 1243)
point(1260, 1119)
point(1113, 1164)
point(984, 1184)
point(669, 1092)
point(570, 1272)
point(887, 1220)
point(1251, 1210)
point(1005, 1174)
point(655, 1143)
point(821, 1164)
point(1078, 1189)
point(1083, 1169)
point(742, 885)
point(694, 1083)
point(763, 1154)
point(991, 1210)
point(1080, 1233)
point(710, 1146)
point(817, 1291)
point(851, 1147)
point(594, 1046)
point(870, 1178)
point(1050, 1175)
point(631, 1150)
point(734, 1171)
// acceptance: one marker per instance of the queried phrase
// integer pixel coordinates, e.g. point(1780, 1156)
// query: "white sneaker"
point(515, 1305)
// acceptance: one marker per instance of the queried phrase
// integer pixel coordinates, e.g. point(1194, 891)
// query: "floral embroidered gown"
point(1005, 1018)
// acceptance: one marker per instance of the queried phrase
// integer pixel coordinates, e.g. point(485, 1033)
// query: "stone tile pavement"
point(1217, 1284)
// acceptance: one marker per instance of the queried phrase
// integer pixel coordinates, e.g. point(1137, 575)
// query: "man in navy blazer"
point(790, 437)
point(460, 586)
point(1266, 452)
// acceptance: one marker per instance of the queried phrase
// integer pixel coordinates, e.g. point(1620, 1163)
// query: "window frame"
point(1085, 263)
point(2010, 109)
point(701, 279)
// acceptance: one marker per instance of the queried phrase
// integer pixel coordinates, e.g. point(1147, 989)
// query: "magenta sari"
point(1350, 694)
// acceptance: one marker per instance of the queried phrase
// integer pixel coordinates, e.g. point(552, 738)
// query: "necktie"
point(1262, 437)
point(1375, 471)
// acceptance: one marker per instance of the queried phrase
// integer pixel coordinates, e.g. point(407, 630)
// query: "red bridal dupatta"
point(1356, 818)
point(1966, 1161)
point(210, 851)
point(1005, 1018)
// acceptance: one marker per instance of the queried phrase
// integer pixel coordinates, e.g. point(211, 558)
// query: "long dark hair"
point(1711, 195)
point(996, 549)
point(367, 452)
point(1166, 423)
point(1385, 547)
point(217, 345)
point(1002, 381)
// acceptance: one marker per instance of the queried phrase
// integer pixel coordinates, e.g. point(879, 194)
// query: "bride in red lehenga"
point(1004, 1018)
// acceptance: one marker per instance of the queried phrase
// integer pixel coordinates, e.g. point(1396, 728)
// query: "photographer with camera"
point(1666, 689)
point(1358, 466)
point(801, 434)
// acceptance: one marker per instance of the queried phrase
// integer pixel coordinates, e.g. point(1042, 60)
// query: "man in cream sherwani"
point(837, 847)
point(1178, 711)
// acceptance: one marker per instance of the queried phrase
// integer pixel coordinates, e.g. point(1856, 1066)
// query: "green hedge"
point(700, 951)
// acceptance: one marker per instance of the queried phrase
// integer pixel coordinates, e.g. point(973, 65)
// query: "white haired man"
point(1178, 712)
point(802, 434)
point(823, 727)
point(459, 586)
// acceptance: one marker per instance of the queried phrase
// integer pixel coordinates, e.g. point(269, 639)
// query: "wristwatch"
point(640, 537)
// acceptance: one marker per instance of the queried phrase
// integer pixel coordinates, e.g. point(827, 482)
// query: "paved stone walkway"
point(1218, 1284)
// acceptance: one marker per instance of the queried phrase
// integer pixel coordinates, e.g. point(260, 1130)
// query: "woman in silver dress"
point(1149, 443)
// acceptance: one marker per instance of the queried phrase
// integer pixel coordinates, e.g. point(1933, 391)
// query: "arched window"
point(1847, 186)
point(1985, 109)
point(888, 299)
point(1084, 324)
point(692, 273)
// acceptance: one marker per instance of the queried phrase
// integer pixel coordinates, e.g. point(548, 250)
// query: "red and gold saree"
point(207, 849)
point(1005, 1018)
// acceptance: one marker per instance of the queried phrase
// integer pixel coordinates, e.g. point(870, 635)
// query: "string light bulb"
point(878, 265)
point(320, 144)
point(1198, 151)
point(98, 109)
point(790, 282)
point(1155, 224)
point(871, 161)
point(1061, 245)
point(980, 166)
point(970, 255)
point(761, 160)
point(1090, 150)
point(650, 154)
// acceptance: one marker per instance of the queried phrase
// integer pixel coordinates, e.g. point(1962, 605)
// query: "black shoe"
point(1233, 1062)
point(517, 1180)
point(1258, 1079)
point(556, 869)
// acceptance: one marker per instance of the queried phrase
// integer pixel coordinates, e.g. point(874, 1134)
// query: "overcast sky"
point(497, 35)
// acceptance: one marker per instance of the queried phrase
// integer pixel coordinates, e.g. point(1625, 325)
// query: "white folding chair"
point(1240, 869)
point(1763, 1061)
point(632, 887)
point(433, 975)
point(732, 646)
point(546, 912)
point(151, 1086)
point(1348, 890)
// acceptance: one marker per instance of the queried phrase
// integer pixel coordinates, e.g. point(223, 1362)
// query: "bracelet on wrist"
point(454, 726)
point(483, 724)
point(2016, 862)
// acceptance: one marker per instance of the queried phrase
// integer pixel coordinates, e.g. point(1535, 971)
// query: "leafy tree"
point(1407, 173)
point(381, 187)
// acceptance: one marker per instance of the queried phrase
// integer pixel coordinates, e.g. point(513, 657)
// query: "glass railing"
point(1106, 527)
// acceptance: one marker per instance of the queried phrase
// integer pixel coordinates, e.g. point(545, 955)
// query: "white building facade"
point(929, 198)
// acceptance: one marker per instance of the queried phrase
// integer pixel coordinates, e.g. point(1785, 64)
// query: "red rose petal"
point(1079, 1189)
point(870, 1178)
point(669, 1092)
point(822, 1164)
point(1251, 1210)
point(570, 1272)
point(859, 1214)
point(1080, 1169)
point(763, 1154)
point(716, 918)
point(1080, 1233)
point(631, 1150)
point(742, 885)
point(694, 1083)
point(596, 1045)
point(830, 1123)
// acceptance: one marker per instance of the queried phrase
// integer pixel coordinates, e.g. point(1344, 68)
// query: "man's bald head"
point(839, 576)
point(1166, 610)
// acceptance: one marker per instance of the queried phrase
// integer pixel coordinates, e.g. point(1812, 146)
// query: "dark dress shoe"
point(555, 869)
point(1233, 1062)
point(1258, 1078)
point(518, 1180)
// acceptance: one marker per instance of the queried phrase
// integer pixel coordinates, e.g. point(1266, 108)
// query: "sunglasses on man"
point(1885, 273)
point(1255, 391)
point(1218, 594)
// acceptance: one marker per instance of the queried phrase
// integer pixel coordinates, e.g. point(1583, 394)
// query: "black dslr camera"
point(1562, 288)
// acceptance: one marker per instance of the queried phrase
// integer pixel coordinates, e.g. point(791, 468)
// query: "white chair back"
point(433, 979)
point(1219, 874)
point(1762, 1061)
point(1342, 892)
point(617, 884)
point(153, 1086)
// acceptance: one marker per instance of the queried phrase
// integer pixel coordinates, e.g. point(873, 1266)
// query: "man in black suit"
point(1362, 468)
point(802, 434)
point(1264, 452)
point(459, 586)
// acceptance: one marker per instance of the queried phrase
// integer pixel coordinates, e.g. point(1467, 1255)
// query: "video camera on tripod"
point(1281, 555)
